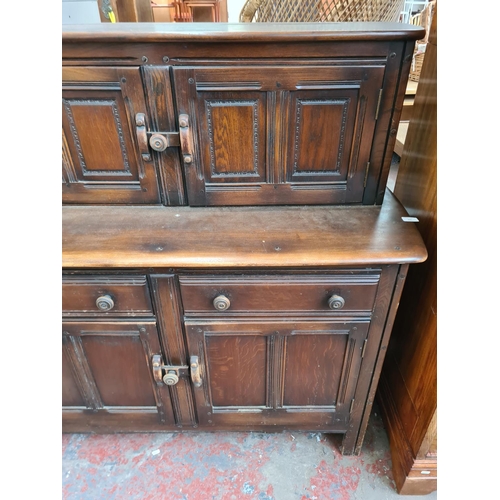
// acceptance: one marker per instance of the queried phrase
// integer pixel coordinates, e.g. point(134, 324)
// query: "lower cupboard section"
point(300, 375)
point(231, 370)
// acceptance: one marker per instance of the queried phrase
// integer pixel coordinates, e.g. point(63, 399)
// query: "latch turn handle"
point(186, 139)
point(195, 371)
point(142, 137)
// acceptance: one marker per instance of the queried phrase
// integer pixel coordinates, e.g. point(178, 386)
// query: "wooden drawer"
point(347, 292)
point(108, 295)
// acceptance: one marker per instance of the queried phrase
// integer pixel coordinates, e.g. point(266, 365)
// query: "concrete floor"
point(227, 466)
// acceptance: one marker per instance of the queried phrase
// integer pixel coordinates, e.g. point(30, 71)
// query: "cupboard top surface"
point(247, 32)
point(219, 237)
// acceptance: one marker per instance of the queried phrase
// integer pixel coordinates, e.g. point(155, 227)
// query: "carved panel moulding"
point(209, 105)
point(298, 129)
point(68, 104)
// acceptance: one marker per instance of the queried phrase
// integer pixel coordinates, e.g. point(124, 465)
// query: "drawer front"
point(106, 295)
point(328, 294)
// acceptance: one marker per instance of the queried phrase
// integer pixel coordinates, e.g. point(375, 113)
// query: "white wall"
point(80, 12)
point(233, 10)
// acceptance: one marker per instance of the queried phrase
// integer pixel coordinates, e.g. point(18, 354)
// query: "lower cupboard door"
point(108, 377)
point(299, 375)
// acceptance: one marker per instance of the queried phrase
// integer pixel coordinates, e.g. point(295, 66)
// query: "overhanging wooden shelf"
point(122, 237)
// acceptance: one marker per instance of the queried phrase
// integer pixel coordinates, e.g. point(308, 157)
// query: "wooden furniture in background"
point(187, 11)
point(213, 6)
point(163, 11)
point(182, 14)
point(209, 280)
point(407, 391)
point(130, 11)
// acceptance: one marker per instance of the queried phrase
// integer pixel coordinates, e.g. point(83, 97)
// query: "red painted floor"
point(227, 466)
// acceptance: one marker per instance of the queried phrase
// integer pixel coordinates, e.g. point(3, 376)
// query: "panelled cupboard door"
point(101, 154)
point(291, 374)
point(278, 134)
point(107, 369)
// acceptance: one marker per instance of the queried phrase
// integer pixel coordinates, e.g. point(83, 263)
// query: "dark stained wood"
point(283, 294)
point(272, 317)
point(158, 32)
point(108, 421)
point(236, 367)
point(248, 370)
point(276, 123)
point(391, 105)
point(112, 364)
point(162, 118)
point(320, 366)
point(214, 53)
point(120, 237)
point(408, 392)
point(362, 404)
point(389, 314)
point(71, 395)
point(280, 134)
point(168, 307)
point(406, 468)
point(130, 295)
point(101, 160)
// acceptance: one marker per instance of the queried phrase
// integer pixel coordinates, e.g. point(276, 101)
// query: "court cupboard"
point(231, 257)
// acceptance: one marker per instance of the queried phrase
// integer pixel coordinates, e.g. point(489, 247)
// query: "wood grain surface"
point(219, 237)
point(153, 32)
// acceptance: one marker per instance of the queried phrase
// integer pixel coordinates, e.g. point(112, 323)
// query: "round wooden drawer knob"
point(221, 303)
point(336, 302)
point(105, 303)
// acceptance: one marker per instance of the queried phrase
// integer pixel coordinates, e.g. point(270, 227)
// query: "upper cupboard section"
point(242, 115)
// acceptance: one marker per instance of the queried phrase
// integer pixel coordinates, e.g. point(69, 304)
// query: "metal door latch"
point(172, 373)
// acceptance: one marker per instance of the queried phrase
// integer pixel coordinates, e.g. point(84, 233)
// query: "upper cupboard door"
point(102, 161)
point(278, 134)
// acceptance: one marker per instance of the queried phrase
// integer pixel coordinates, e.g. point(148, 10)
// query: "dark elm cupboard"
point(231, 258)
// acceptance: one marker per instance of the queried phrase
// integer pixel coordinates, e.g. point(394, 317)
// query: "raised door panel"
point(279, 135)
point(109, 363)
point(321, 130)
point(289, 374)
point(236, 132)
point(102, 162)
